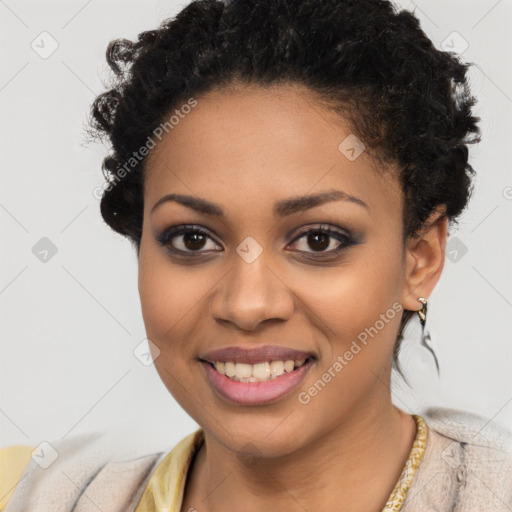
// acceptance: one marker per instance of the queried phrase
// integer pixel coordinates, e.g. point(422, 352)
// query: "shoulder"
point(471, 440)
point(467, 463)
point(471, 429)
point(108, 468)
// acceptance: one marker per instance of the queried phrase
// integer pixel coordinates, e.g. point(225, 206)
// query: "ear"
point(425, 256)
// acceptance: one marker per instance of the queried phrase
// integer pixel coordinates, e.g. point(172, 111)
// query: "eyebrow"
point(282, 208)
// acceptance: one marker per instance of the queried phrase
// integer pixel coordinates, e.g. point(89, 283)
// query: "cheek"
point(168, 299)
point(358, 300)
point(357, 309)
point(354, 293)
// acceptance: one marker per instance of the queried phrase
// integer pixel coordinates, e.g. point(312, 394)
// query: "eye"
point(187, 238)
point(323, 240)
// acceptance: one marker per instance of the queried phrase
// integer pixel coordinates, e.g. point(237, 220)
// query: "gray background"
point(70, 323)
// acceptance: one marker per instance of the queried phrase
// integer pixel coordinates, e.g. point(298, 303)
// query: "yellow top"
point(165, 489)
point(13, 460)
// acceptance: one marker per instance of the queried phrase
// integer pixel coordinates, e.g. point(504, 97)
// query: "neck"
point(354, 466)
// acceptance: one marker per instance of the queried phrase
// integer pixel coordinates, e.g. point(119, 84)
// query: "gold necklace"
point(397, 497)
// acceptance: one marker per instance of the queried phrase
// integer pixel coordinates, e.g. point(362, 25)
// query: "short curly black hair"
point(367, 60)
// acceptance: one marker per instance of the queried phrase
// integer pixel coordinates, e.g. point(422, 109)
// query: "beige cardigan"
point(466, 467)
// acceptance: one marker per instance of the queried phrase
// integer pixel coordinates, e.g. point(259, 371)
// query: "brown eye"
point(323, 240)
point(318, 241)
point(187, 239)
point(194, 241)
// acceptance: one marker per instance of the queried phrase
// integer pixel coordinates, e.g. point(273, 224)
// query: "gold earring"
point(422, 313)
point(425, 335)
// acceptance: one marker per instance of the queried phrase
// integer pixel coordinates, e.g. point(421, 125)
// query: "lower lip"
point(255, 393)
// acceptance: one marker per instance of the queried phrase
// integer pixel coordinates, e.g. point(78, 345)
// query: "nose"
point(250, 294)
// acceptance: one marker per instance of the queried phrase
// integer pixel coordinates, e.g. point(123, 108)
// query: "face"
point(258, 268)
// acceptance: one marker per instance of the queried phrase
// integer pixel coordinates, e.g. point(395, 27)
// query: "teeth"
point(243, 370)
point(229, 369)
point(259, 372)
point(289, 365)
point(276, 368)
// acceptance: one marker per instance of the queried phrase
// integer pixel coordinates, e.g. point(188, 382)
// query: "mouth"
point(258, 383)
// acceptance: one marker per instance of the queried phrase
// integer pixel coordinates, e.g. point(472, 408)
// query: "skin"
point(245, 148)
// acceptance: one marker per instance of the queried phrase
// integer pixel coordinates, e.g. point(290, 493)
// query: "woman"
point(286, 172)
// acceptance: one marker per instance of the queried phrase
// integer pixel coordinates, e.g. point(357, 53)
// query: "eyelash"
point(346, 240)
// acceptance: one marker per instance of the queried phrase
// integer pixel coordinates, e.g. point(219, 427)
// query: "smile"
point(256, 384)
point(259, 372)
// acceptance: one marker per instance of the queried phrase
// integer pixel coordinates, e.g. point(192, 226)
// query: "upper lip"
point(254, 355)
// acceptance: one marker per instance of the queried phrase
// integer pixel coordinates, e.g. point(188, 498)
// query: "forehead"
point(254, 144)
